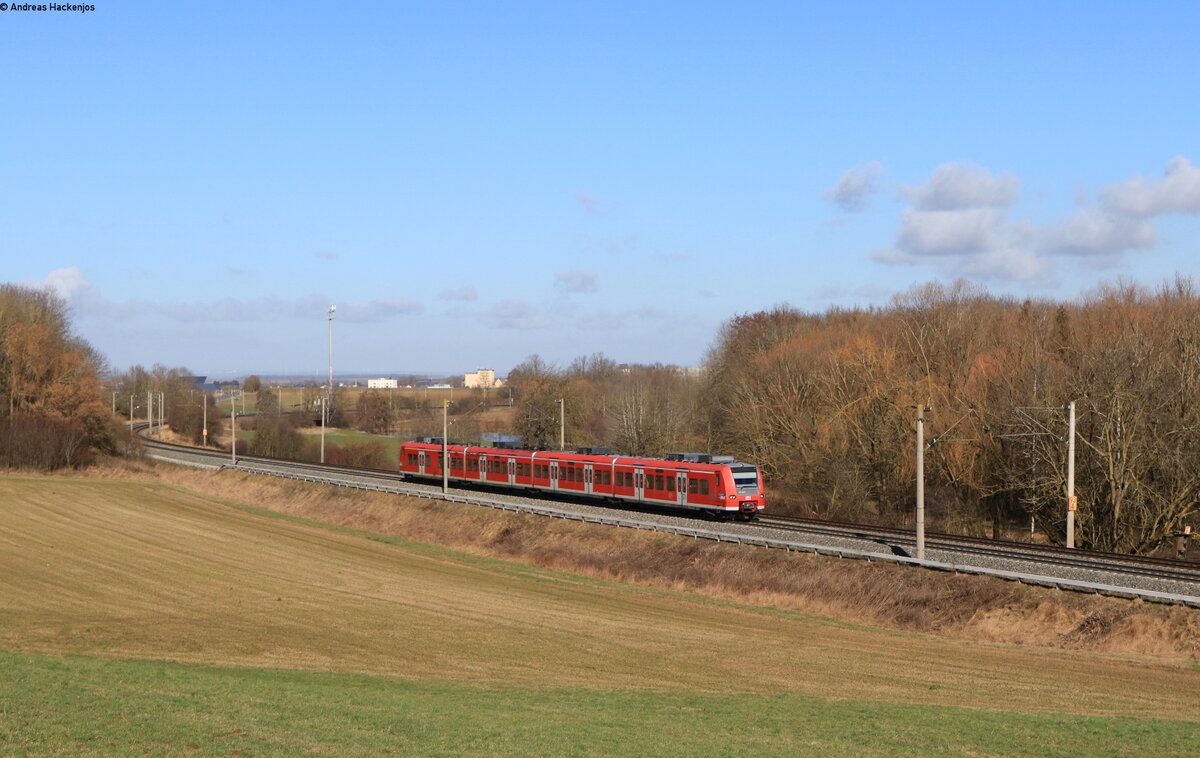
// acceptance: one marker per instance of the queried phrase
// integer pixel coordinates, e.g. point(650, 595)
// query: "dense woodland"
point(53, 414)
point(826, 404)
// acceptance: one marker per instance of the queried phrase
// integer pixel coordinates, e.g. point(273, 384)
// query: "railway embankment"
point(977, 608)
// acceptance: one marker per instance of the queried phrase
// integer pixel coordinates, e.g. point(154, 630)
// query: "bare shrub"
point(34, 441)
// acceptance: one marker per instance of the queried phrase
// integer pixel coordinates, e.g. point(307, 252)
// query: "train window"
point(605, 477)
point(692, 486)
point(670, 484)
point(703, 486)
point(658, 482)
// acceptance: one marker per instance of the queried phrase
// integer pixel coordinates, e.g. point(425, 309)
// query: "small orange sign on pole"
point(1073, 503)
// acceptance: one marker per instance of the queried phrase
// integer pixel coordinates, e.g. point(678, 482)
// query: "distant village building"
point(484, 377)
point(382, 384)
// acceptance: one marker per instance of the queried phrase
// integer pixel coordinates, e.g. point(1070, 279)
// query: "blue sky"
point(472, 183)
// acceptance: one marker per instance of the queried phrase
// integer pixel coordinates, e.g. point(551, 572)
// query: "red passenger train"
point(692, 481)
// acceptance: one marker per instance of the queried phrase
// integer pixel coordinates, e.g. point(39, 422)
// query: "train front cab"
point(743, 494)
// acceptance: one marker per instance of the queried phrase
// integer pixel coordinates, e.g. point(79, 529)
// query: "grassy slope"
point(133, 570)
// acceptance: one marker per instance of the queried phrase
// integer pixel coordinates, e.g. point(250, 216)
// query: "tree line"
point(52, 415)
point(826, 404)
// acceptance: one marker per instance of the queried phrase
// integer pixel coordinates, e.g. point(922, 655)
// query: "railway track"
point(1049, 555)
point(1119, 575)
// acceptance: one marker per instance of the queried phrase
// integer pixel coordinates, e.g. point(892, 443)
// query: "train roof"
point(701, 461)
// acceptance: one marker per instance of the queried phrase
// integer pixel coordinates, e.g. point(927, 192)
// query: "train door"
point(587, 478)
point(421, 462)
point(639, 483)
point(553, 475)
point(681, 487)
point(512, 471)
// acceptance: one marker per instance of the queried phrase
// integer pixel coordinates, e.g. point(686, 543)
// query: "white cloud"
point(1177, 192)
point(958, 232)
point(576, 281)
point(1005, 263)
point(961, 223)
point(956, 186)
point(65, 282)
point(462, 293)
point(1093, 231)
point(854, 190)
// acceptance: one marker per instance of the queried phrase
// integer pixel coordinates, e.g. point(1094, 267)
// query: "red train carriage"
point(691, 481)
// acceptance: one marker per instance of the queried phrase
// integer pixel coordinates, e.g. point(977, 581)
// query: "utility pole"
point(114, 404)
point(131, 414)
point(332, 310)
point(921, 482)
point(204, 405)
point(150, 410)
point(324, 406)
point(562, 425)
point(445, 449)
point(162, 412)
point(233, 433)
point(1072, 503)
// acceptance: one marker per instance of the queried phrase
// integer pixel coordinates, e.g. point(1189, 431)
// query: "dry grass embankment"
point(139, 568)
point(973, 608)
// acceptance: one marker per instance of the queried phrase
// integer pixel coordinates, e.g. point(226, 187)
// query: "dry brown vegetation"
point(52, 414)
point(968, 607)
point(827, 404)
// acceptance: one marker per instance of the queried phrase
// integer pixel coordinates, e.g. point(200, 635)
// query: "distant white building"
point(484, 377)
point(381, 384)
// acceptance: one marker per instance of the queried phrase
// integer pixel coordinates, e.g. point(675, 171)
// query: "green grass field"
point(340, 437)
point(68, 705)
point(141, 618)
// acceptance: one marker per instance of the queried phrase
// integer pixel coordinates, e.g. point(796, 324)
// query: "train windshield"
point(745, 478)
